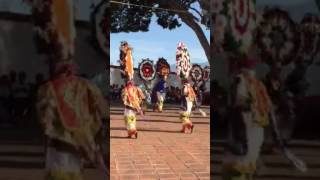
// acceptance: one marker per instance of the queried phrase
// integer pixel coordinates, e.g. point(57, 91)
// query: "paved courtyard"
point(161, 151)
point(277, 167)
point(22, 156)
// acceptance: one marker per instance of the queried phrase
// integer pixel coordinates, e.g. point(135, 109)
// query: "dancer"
point(183, 66)
point(159, 91)
point(251, 108)
point(189, 97)
point(197, 76)
point(71, 110)
point(147, 100)
point(132, 96)
point(199, 88)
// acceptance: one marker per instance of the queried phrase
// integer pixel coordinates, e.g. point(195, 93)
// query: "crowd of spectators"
point(17, 97)
point(173, 93)
point(115, 92)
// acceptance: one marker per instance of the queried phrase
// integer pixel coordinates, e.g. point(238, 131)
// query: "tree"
point(132, 18)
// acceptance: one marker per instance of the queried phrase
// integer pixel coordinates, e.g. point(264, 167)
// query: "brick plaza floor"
point(161, 151)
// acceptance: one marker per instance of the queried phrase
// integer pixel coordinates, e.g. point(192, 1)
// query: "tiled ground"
point(161, 151)
point(277, 167)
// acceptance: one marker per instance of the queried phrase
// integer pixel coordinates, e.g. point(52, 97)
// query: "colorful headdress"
point(163, 67)
point(54, 28)
point(309, 37)
point(206, 73)
point(126, 61)
point(183, 64)
point(196, 73)
point(100, 24)
point(123, 43)
point(277, 37)
point(147, 70)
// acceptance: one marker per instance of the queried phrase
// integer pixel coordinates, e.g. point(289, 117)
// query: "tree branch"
point(188, 19)
point(195, 10)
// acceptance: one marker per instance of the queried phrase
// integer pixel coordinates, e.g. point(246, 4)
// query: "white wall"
point(17, 51)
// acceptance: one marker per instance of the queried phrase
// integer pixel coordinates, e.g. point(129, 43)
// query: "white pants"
point(255, 138)
point(62, 161)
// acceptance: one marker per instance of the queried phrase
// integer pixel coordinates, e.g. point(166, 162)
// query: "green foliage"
point(132, 18)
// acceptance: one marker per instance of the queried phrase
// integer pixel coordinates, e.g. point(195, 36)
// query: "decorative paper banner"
point(54, 27)
point(309, 29)
point(277, 37)
point(183, 64)
point(100, 22)
point(162, 67)
point(206, 73)
point(234, 23)
point(196, 73)
point(147, 70)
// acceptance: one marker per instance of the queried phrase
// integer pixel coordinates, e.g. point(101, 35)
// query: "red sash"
point(67, 113)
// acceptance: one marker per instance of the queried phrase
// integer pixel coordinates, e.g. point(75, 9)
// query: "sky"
point(159, 42)
point(156, 43)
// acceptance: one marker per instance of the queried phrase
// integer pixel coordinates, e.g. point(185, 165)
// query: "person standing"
point(159, 94)
point(160, 89)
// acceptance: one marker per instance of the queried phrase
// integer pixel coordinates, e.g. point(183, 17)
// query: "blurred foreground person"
point(251, 108)
point(71, 110)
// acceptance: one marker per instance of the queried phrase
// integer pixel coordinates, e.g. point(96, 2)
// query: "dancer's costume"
point(71, 110)
point(147, 100)
point(189, 97)
point(183, 66)
point(147, 73)
point(126, 61)
point(252, 106)
point(199, 83)
point(159, 95)
point(159, 90)
point(132, 97)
